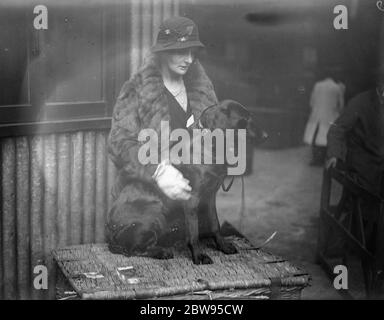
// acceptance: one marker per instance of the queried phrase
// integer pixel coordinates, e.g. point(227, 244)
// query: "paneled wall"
point(54, 192)
point(55, 188)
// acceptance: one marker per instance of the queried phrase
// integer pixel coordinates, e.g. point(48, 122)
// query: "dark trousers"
point(318, 152)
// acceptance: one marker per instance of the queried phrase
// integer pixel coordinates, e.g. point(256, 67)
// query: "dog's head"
point(227, 114)
point(230, 114)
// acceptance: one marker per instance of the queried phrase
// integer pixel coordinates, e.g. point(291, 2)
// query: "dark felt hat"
point(177, 33)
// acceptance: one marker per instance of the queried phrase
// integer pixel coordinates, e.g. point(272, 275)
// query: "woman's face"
point(178, 61)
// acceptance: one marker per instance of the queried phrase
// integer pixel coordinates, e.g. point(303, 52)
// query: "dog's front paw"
point(160, 253)
point(202, 258)
point(226, 247)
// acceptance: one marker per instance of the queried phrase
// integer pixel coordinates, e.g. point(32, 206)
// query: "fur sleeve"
point(123, 145)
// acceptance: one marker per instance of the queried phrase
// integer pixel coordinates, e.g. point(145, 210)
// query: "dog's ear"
point(228, 114)
point(237, 115)
point(213, 117)
point(234, 109)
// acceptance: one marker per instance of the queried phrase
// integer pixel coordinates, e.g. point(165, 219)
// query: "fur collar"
point(152, 100)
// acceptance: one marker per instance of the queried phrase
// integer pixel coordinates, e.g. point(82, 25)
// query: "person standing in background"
point(356, 138)
point(326, 102)
point(356, 145)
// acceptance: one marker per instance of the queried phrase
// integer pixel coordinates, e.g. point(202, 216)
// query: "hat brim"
point(177, 46)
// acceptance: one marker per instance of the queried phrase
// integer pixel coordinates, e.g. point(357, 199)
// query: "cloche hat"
point(177, 33)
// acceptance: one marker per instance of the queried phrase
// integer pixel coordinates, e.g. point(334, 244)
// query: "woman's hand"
point(172, 183)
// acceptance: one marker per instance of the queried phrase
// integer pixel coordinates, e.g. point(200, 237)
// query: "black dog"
point(148, 220)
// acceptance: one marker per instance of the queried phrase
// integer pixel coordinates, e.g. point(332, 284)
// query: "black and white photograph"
point(195, 150)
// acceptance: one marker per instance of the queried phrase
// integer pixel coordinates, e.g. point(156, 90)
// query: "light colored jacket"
point(327, 101)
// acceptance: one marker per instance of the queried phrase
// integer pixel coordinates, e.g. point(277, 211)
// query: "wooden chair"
point(347, 223)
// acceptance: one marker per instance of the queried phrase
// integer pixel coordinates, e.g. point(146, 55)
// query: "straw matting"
point(95, 273)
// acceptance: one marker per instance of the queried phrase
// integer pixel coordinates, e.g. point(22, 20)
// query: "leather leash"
point(226, 189)
point(242, 207)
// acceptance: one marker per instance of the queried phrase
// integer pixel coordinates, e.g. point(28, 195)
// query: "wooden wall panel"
point(54, 190)
point(23, 216)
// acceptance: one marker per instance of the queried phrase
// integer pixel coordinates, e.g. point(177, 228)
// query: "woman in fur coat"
point(170, 86)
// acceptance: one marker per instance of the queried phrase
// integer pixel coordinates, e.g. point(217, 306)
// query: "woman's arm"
point(123, 144)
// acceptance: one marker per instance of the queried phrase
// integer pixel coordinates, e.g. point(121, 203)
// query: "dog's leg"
point(222, 245)
point(136, 221)
point(192, 232)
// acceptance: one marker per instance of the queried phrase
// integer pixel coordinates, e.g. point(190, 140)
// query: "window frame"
point(39, 116)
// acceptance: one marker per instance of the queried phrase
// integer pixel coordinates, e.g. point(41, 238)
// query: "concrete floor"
point(282, 194)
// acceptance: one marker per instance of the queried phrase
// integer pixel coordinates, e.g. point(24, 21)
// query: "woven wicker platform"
point(95, 273)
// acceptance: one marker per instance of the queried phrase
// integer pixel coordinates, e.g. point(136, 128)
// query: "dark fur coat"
point(141, 104)
point(357, 138)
